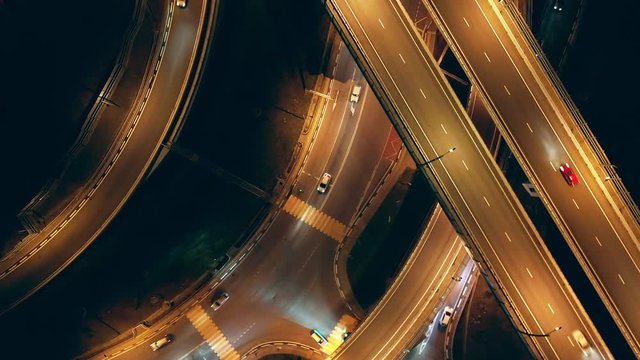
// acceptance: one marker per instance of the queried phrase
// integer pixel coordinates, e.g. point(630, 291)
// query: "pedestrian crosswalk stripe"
point(212, 334)
point(315, 218)
point(346, 323)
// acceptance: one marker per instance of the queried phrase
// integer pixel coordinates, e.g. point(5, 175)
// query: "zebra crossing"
point(315, 218)
point(346, 324)
point(212, 334)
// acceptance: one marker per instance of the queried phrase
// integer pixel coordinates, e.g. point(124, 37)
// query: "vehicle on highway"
point(446, 316)
point(580, 339)
point(558, 5)
point(181, 3)
point(155, 346)
point(219, 301)
point(570, 177)
point(355, 93)
point(324, 183)
point(318, 337)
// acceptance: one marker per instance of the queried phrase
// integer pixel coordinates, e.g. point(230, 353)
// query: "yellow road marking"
point(315, 218)
point(212, 334)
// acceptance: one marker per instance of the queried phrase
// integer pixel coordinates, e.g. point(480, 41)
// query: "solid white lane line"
point(550, 308)
point(507, 90)
point(507, 235)
point(443, 129)
point(380, 21)
point(401, 58)
point(487, 56)
point(621, 279)
point(466, 22)
point(529, 126)
point(598, 240)
point(465, 165)
point(576, 204)
point(423, 95)
point(529, 272)
point(487, 201)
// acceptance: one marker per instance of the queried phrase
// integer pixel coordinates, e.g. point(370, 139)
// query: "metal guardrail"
point(605, 163)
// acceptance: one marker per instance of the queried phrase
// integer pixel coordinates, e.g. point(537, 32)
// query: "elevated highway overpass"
point(544, 129)
point(471, 188)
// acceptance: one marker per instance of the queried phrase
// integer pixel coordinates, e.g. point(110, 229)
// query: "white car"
point(446, 316)
point(355, 93)
point(181, 3)
point(155, 346)
point(324, 183)
point(219, 301)
point(580, 339)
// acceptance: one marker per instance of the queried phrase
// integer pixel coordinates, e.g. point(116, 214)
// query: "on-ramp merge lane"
point(537, 122)
point(474, 184)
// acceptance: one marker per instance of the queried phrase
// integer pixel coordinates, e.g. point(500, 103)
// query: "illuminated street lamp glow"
point(438, 157)
point(540, 335)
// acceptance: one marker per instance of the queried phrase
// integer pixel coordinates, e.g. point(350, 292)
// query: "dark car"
point(568, 174)
point(219, 301)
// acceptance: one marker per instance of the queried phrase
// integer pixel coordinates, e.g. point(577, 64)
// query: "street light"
point(540, 335)
point(438, 157)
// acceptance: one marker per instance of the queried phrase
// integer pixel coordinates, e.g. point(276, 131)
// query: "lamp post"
point(438, 157)
point(540, 335)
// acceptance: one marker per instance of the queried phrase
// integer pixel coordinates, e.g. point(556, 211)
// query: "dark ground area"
point(489, 333)
point(600, 73)
point(265, 54)
point(389, 236)
point(52, 60)
point(184, 217)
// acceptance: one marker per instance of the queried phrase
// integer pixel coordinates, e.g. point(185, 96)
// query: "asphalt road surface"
point(471, 180)
point(286, 286)
point(50, 251)
point(545, 135)
point(438, 341)
point(418, 290)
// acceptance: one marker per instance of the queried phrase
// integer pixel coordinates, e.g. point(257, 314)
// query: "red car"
point(568, 174)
